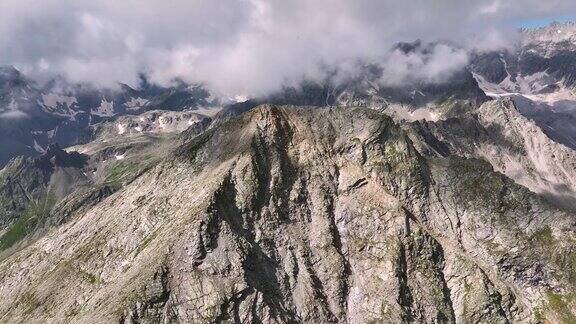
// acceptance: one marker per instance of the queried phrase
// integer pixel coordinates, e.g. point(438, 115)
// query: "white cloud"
point(246, 46)
point(13, 114)
point(429, 65)
point(491, 8)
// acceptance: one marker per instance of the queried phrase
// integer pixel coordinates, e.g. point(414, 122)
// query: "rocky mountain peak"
point(296, 214)
point(553, 33)
point(342, 200)
point(8, 71)
point(10, 78)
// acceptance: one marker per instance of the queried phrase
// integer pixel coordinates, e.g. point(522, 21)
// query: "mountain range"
point(341, 200)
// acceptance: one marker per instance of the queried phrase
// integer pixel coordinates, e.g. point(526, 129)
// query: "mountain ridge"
point(281, 203)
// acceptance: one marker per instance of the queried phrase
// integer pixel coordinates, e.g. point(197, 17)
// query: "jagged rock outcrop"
point(292, 214)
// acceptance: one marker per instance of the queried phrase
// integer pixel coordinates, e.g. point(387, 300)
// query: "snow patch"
point(163, 122)
point(136, 103)
point(13, 105)
point(52, 133)
point(121, 129)
point(13, 114)
point(240, 98)
point(39, 148)
point(53, 100)
point(106, 109)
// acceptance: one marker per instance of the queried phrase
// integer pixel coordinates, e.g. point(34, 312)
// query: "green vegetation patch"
point(145, 243)
point(89, 277)
point(544, 236)
point(559, 305)
point(36, 212)
point(125, 172)
point(478, 186)
point(16, 232)
point(29, 302)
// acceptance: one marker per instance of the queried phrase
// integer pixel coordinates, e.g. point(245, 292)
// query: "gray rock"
point(289, 214)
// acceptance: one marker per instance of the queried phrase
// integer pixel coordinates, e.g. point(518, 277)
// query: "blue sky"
point(543, 21)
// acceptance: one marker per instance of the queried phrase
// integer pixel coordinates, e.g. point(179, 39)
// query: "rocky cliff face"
point(30, 186)
point(539, 75)
point(513, 144)
point(292, 214)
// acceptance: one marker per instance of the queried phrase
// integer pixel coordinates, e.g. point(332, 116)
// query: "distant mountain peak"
point(554, 33)
point(10, 76)
point(8, 69)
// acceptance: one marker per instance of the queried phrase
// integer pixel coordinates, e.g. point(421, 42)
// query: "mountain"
point(34, 116)
point(294, 214)
point(514, 145)
point(30, 187)
point(337, 200)
point(20, 115)
point(539, 75)
point(458, 92)
point(521, 134)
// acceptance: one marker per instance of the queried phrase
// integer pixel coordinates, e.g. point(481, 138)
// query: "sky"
point(253, 47)
point(544, 21)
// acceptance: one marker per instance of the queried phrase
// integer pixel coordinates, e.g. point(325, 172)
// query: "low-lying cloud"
point(428, 65)
point(13, 114)
point(250, 46)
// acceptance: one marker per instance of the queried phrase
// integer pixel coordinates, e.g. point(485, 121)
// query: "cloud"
point(248, 46)
point(13, 114)
point(429, 65)
point(493, 39)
